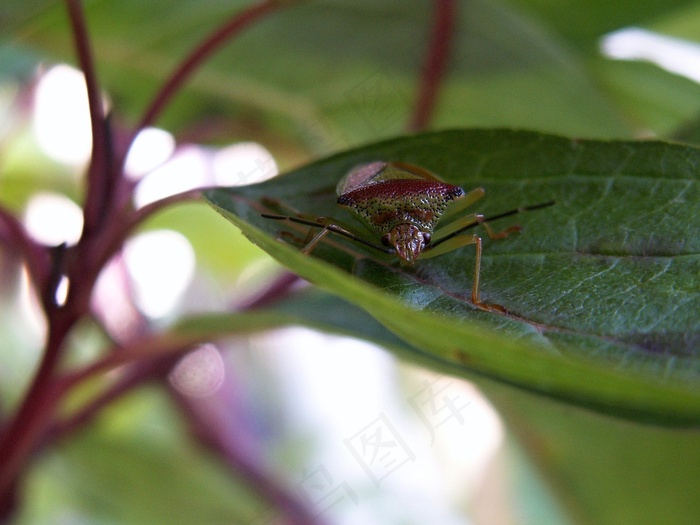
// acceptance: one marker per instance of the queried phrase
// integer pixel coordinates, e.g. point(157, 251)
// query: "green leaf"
point(524, 63)
point(505, 67)
point(605, 470)
point(597, 17)
point(602, 288)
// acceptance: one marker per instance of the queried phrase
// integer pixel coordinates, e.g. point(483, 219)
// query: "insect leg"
point(498, 235)
point(457, 242)
point(308, 242)
point(311, 244)
point(476, 297)
point(447, 231)
point(504, 233)
point(313, 222)
point(327, 225)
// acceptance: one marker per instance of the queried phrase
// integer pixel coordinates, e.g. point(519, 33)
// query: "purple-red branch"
point(205, 422)
point(149, 209)
point(19, 439)
point(100, 173)
point(435, 65)
point(134, 377)
point(107, 221)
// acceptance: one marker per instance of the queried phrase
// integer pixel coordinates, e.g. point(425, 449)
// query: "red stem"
point(277, 289)
point(155, 349)
point(149, 209)
point(205, 423)
point(127, 220)
point(435, 65)
point(100, 173)
point(205, 426)
point(134, 377)
point(19, 438)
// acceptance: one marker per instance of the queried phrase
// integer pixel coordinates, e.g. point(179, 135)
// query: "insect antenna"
point(519, 210)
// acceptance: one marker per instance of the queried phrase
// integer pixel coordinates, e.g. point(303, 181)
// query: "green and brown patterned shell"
point(384, 195)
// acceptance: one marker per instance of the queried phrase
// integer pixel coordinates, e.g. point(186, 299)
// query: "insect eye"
point(426, 238)
point(385, 240)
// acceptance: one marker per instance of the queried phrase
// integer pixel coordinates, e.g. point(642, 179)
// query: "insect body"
point(413, 213)
point(400, 202)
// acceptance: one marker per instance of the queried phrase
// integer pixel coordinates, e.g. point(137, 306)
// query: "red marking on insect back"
point(401, 189)
point(385, 204)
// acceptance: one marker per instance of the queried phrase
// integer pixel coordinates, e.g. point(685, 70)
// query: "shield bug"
point(412, 215)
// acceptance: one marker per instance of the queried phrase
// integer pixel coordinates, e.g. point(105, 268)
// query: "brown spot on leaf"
point(681, 344)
